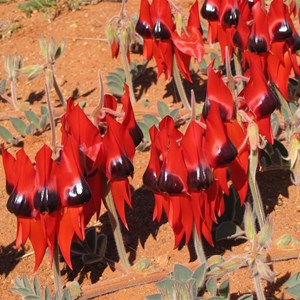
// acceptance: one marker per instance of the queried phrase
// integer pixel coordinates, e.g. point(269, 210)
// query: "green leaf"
point(43, 122)
point(30, 129)
point(115, 88)
point(59, 51)
point(174, 113)
point(292, 281)
point(199, 275)
point(36, 72)
point(246, 297)
point(47, 293)
point(150, 120)
point(274, 123)
point(19, 125)
point(32, 118)
point(293, 107)
point(226, 229)
point(211, 286)
point(294, 290)
point(145, 130)
point(2, 86)
point(66, 295)
point(6, 135)
point(163, 109)
point(216, 57)
point(283, 241)
point(36, 287)
point(29, 69)
point(51, 48)
point(265, 235)
point(224, 289)
point(166, 285)
point(249, 222)
point(115, 77)
point(203, 66)
point(27, 283)
point(181, 273)
point(43, 46)
point(44, 110)
point(154, 297)
point(19, 283)
point(74, 289)
point(24, 292)
point(121, 72)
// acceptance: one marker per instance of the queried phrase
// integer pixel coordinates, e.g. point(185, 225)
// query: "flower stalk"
point(198, 246)
point(128, 77)
point(116, 227)
point(257, 201)
point(56, 272)
point(179, 86)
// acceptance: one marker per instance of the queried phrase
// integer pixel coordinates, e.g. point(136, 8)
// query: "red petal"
point(129, 121)
point(65, 235)
point(23, 230)
point(220, 95)
point(189, 43)
point(120, 190)
point(218, 147)
point(9, 167)
point(38, 241)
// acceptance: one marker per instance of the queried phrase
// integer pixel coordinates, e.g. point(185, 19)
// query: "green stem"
point(258, 287)
point(126, 66)
point(198, 246)
point(257, 201)
point(14, 98)
point(51, 115)
point(56, 272)
point(116, 227)
point(179, 85)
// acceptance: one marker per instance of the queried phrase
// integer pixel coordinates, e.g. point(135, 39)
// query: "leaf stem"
point(56, 272)
point(258, 287)
point(14, 98)
point(179, 86)
point(116, 227)
point(51, 116)
point(257, 201)
point(123, 49)
point(198, 246)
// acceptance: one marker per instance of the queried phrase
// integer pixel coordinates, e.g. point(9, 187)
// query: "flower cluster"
point(163, 37)
point(189, 173)
point(55, 198)
point(247, 26)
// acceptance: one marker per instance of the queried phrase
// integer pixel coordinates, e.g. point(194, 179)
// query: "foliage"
point(293, 286)
point(34, 292)
point(35, 125)
point(49, 7)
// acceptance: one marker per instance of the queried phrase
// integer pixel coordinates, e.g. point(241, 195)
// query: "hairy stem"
point(13, 90)
point(179, 86)
point(258, 287)
point(51, 115)
point(198, 246)
point(56, 272)
point(257, 201)
point(116, 227)
point(126, 66)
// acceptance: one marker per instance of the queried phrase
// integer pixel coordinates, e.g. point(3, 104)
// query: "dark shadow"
point(76, 94)
point(141, 226)
point(9, 258)
point(35, 96)
point(275, 287)
point(197, 84)
point(143, 78)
